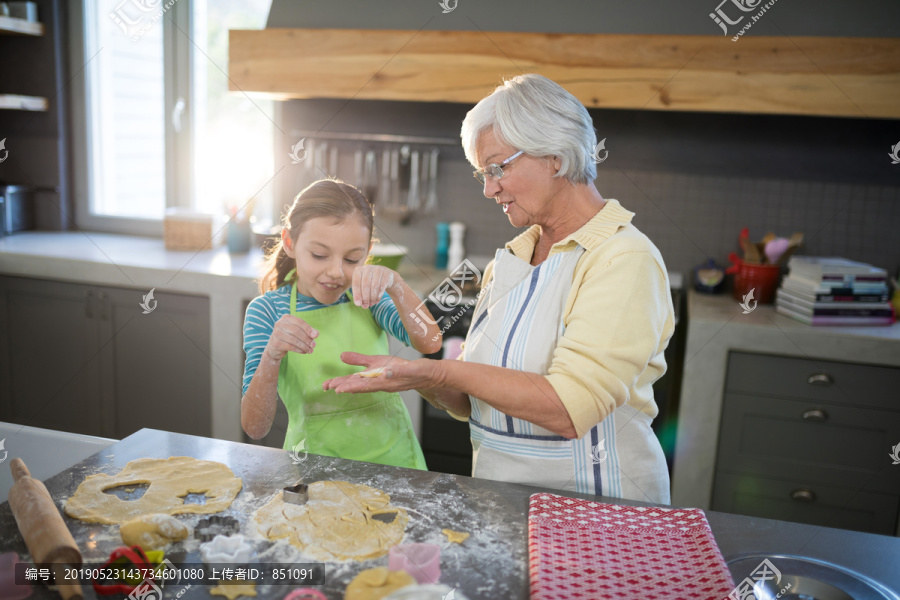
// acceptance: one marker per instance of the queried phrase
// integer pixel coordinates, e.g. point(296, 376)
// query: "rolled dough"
point(336, 523)
point(152, 532)
point(374, 584)
point(169, 481)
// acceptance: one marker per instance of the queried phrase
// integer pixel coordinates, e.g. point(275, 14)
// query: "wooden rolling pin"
point(48, 539)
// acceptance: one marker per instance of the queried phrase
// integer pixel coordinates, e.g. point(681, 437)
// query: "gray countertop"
point(491, 565)
point(144, 262)
point(46, 452)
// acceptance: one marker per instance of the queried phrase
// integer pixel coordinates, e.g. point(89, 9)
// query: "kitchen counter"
point(46, 452)
point(230, 281)
point(717, 325)
point(493, 562)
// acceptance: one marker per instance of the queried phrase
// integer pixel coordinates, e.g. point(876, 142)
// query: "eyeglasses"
point(494, 171)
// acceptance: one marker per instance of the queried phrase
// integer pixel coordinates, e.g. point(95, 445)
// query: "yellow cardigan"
point(619, 318)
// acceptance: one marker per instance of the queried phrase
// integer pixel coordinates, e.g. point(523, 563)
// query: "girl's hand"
point(291, 334)
point(398, 375)
point(370, 282)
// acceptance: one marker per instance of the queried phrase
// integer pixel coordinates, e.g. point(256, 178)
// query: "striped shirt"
point(264, 311)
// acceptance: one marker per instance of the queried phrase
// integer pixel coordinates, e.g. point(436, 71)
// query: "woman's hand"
point(370, 282)
point(398, 375)
point(290, 334)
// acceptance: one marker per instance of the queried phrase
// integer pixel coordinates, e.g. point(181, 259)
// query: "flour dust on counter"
point(467, 566)
point(491, 563)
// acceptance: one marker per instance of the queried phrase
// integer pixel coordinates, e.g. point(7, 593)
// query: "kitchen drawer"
point(816, 380)
point(803, 501)
point(825, 443)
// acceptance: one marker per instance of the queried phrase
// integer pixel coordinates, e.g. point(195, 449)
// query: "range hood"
point(834, 76)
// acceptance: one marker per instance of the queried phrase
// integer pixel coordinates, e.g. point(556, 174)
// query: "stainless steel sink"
point(802, 578)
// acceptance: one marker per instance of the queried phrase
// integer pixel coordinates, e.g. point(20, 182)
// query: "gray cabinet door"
point(866, 386)
point(158, 364)
point(50, 356)
point(85, 359)
point(828, 443)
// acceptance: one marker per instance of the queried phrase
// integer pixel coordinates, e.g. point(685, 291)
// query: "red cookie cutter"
point(135, 558)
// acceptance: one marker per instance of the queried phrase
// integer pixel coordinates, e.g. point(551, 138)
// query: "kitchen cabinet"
point(807, 441)
point(86, 359)
point(13, 26)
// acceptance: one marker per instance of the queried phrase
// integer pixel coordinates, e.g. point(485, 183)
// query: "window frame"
point(178, 69)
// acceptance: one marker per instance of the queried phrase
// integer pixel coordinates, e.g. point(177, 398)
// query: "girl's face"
point(326, 253)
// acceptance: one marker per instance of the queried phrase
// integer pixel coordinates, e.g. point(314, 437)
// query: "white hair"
point(534, 114)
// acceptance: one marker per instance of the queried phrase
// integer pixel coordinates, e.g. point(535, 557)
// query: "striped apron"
point(517, 324)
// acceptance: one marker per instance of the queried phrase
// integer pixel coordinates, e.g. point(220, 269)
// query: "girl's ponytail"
point(275, 268)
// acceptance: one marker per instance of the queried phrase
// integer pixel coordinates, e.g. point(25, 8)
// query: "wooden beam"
point(853, 77)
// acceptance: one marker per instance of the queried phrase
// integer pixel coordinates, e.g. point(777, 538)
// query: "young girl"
point(319, 299)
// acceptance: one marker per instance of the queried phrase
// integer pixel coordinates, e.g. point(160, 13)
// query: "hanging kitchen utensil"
point(412, 199)
point(358, 168)
point(424, 171)
point(394, 205)
point(308, 174)
point(320, 160)
point(404, 177)
point(384, 182)
point(412, 194)
point(370, 177)
point(333, 162)
point(431, 199)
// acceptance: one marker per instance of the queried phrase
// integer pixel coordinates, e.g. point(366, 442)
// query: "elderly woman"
point(567, 338)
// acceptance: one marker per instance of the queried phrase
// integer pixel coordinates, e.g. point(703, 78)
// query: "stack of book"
point(834, 291)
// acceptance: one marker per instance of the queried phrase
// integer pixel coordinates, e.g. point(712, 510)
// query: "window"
point(154, 123)
point(233, 134)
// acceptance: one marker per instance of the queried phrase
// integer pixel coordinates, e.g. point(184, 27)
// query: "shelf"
point(16, 102)
point(850, 77)
point(14, 26)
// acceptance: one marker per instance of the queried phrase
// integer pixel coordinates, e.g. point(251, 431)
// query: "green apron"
point(373, 427)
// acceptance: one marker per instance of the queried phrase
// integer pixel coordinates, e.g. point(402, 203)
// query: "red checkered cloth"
point(592, 551)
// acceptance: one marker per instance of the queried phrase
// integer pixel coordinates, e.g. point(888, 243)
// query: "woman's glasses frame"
point(495, 170)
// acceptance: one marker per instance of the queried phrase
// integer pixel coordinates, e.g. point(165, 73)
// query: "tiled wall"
point(692, 217)
point(693, 180)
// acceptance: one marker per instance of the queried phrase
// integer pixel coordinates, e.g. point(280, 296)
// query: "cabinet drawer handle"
point(820, 379)
point(803, 495)
point(815, 414)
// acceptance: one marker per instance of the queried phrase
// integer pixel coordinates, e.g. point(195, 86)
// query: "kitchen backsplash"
point(693, 180)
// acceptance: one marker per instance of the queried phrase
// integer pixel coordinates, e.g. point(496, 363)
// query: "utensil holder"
point(761, 278)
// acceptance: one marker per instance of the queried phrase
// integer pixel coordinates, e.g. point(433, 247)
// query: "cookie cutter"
point(226, 549)
point(296, 494)
point(215, 525)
